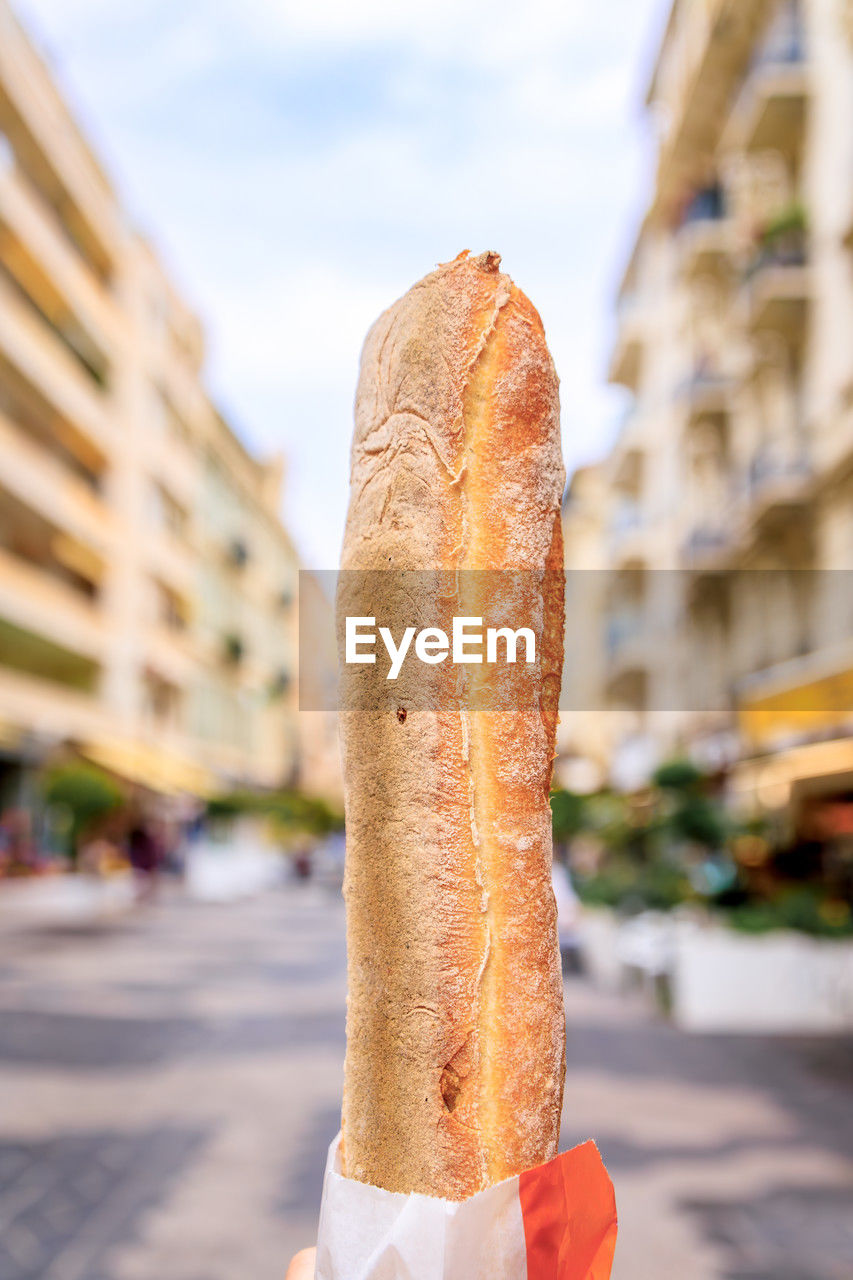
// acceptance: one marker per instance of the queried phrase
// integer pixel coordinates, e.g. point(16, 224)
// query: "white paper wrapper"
point(557, 1222)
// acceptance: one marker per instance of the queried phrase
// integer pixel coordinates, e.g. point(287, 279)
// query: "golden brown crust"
point(455, 1031)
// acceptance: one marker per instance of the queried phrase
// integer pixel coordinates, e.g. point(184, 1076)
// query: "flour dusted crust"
point(455, 1026)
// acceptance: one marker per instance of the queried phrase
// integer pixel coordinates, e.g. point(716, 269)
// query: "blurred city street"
point(170, 1085)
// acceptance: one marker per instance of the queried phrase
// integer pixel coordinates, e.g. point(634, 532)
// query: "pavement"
point(169, 1086)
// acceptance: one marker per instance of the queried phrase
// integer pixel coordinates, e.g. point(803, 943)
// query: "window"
point(165, 512)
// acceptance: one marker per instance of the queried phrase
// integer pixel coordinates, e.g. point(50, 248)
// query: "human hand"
point(302, 1266)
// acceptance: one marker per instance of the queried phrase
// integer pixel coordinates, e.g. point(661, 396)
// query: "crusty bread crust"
point(455, 1026)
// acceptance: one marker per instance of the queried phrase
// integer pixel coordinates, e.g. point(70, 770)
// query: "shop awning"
point(799, 700)
point(153, 768)
point(770, 778)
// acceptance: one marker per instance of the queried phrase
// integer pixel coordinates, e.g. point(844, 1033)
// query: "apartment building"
point(147, 584)
point(725, 516)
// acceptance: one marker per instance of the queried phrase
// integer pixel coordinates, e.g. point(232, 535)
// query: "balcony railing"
point(37, 474)
point(72, 337)
point(43, 361)
point(769, 468)
point(695, 82)
point(34, 222)
point(787, 249)
point(706, 391)
point(777, 281)
point(707, 545)
point(770, 110)
point(73, 180)
point(38, 602)
point(777, 483)
point(26, 652)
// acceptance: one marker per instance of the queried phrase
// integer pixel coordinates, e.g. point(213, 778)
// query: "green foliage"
point(291, 811)
point(792, 220)
point(806, 909)
point(233, 649)
point(676, 844)
point(632, 887)
point(677, 775)
point(568, 815)
point(688, 813)
point(86, 793)
point(656, 847)
point(700, 821)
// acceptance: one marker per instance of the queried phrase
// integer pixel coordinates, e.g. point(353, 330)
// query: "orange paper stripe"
point(569, 1212)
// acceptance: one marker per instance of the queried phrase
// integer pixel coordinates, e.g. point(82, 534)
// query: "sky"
point(300, 163)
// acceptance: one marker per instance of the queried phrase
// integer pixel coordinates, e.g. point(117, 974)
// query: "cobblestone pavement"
point(168, 1088)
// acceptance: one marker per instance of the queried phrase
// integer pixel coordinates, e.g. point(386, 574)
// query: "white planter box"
point(598, 933)
point(64, 900)
point(777, 982)
point(228, 872)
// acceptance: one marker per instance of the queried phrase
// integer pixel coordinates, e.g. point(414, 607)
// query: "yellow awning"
point(153, 768)
point(770, 778)
point(802, 710)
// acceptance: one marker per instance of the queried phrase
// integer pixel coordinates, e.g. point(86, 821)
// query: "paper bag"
point(555, 1222)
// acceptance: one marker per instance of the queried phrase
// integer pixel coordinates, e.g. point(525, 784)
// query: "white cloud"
point(292, 328)
point(477, 33)
point(305, 162)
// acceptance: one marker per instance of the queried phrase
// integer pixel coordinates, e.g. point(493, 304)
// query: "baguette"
point(455, 1026)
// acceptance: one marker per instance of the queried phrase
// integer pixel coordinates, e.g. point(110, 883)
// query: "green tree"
point(568, 815)
point(86, 793)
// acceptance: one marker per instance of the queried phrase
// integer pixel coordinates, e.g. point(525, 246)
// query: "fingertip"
point(302, 1266)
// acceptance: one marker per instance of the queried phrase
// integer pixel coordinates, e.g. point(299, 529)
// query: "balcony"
point(694, 82)
point(174, 463)
point(770, 113)
point(172, 559)
point(49, 688)
point(33, 600)
point(56, 155)
point(708, 546)
point(26, 279)
point(778, 283)
point(628, 458)
point(706, 236)
point(43, 481)
point(629, 654)
point(43, 361)
point(628, 536)
point(27, 655)
point(171, 654)
point(778, 483)
point(706, 393)
point(27, 219)
point(626, 362)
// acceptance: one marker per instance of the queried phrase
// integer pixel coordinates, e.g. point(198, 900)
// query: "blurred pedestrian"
point(18, 851)
point(145, 858)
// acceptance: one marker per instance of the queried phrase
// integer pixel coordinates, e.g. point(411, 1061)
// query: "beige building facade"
point(147, 584)
point(725, 508)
